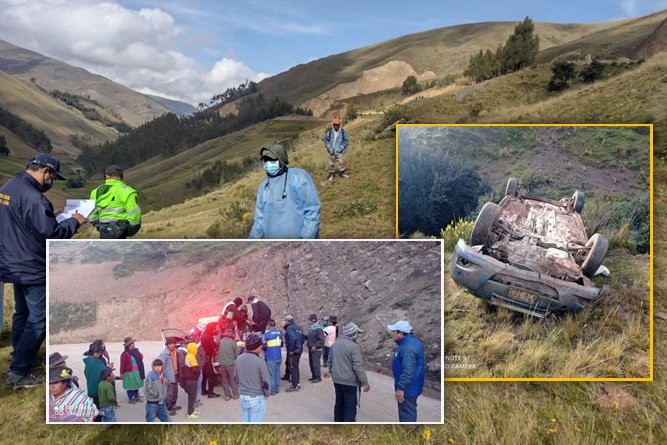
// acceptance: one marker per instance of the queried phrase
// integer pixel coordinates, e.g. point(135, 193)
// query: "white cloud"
point(133, 47)
point(629, 7)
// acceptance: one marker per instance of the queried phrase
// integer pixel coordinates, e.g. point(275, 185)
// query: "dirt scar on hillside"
point(548, 157)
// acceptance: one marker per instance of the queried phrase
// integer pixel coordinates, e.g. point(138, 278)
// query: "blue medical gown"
point(294, 216)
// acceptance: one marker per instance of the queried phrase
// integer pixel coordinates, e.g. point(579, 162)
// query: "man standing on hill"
point(346, 364)
point(117, 214)
point(408, 369)
point(287, 205)
point(26, 222)
point(336, 142)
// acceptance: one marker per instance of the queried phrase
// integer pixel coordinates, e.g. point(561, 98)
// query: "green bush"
point(121, 270)
point(404, 302)
point(352, 112)
point(66, 316)
point(455, 231)
point(356, 208)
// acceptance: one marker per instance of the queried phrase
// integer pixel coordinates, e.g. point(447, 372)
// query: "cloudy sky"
point(191, 50)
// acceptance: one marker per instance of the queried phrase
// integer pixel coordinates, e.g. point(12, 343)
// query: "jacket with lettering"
point(272, 342)
point(26, 222)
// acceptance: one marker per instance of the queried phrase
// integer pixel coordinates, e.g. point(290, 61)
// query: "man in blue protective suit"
point(287, 206)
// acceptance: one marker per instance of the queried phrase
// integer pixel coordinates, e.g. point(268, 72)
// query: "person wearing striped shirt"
point(68, 403)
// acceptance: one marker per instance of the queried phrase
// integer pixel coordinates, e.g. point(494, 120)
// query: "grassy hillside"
point(625, 39)
point(52, 74)
point(443, 51)
point(50, 115)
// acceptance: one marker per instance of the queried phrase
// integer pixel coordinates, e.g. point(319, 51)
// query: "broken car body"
point(531, 254)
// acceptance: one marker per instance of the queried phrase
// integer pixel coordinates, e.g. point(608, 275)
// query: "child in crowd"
point(107, 395)
point(191, 372)
point(155, 389)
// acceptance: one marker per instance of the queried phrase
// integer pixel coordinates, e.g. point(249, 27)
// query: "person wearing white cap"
point(408, 368)
point(346, 364)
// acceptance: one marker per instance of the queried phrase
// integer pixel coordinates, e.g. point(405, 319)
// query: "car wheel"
point(578, 201)
point(483, 224)
point(512, 187)
point(599, 245)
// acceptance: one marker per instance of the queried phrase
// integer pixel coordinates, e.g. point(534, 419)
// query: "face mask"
point(272, 167)
point(47, 185)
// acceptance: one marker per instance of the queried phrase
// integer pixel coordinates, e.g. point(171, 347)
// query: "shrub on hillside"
point(410, 86)
point(563, 73)
point(4, 150)
point(455, 231)
point(352, 113)
point(65, 316)
point(594, 71)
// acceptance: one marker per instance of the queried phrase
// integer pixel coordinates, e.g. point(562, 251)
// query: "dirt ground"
point(312, 404)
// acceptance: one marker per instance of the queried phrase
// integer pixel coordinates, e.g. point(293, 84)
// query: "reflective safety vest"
point(115, 201)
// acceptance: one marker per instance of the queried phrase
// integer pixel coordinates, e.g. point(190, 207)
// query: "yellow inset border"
point(650, 377)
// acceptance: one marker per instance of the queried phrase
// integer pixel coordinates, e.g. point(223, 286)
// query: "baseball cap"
point(48, 160)
point(400, 325)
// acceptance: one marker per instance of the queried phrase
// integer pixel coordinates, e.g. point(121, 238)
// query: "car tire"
point(599, 245)
point(512, 187)
point(482, 227)
point(578, 201)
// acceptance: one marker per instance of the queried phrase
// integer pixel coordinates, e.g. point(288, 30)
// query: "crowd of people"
point(244, 356)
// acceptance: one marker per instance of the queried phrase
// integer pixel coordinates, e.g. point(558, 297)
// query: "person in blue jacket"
point(336, 142)
point(26, 222)
point(294, 346)
point(287, 205)
point(272, 342)
point(408, 369)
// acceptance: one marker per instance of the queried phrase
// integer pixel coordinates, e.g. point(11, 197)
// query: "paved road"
point(313, 403)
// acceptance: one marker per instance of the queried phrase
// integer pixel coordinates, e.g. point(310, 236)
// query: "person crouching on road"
point(191, 373)
point(155, 388)
point(107, 393)
point(117, 214)
point(408, 368)
point(287, 204)
point(252, 375)
point(346, 363)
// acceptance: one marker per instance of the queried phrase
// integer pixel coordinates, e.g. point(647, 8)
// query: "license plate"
point(522, 295)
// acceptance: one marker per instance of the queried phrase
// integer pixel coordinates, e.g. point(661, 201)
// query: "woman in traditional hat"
point(132, 370)
point(68, 403)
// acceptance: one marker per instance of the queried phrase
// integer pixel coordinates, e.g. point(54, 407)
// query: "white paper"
point(83, 206)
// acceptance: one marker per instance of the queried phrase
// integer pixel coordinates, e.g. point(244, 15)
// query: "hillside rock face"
point(369, 283)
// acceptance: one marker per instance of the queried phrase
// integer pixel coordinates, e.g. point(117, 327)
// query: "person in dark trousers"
point(155, 388)
point(294, 346)
point(330, 335)
point(209, 345)
point(171, 357)
point(315, 344)
point(190, 376)
point(261, 314)
point(408, 368)
point(346, 364)
point(27, 220)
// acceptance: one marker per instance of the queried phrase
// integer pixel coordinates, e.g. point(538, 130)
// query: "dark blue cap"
point(48, 160)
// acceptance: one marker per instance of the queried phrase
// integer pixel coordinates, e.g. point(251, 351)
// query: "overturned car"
point(531, 254)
